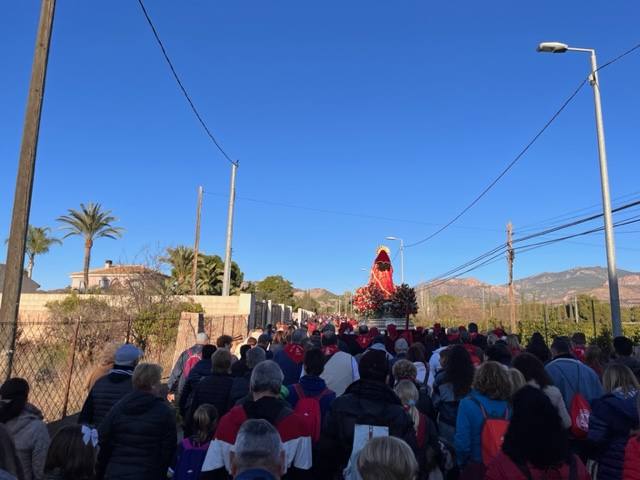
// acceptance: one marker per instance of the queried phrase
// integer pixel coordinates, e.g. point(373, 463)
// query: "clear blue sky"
point(396, 109)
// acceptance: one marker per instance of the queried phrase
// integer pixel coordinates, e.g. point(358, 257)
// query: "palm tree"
point(181, 260)
point(38, 242)
point(90, 222)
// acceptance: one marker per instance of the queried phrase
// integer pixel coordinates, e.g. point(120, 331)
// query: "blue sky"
point(403, 110)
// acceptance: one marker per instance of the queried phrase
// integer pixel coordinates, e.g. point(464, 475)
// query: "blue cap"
point(127, 355)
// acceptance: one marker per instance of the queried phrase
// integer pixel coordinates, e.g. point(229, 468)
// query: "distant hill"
point(321, 295)
point(549, 286)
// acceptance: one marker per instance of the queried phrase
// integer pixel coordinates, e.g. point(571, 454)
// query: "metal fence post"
point(72, 361)
point(129, 321)
point(224, 321)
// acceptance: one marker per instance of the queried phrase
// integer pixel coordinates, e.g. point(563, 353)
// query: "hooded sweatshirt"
point(31, 438)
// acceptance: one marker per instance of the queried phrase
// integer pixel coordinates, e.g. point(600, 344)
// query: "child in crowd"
point(72, 454)
point(192, 450)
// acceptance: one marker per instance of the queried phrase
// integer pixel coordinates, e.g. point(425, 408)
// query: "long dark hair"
point(9, 461)
point(417, 353)
point(538, 347)
point(71, 455)
point(459, 370)
point(532, 368)
point(535, 433)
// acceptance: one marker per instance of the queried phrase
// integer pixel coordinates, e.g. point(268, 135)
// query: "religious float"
point(380, 302)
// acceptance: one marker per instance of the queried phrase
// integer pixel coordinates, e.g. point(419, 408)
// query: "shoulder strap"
point(299, 391)
point(574, 390)
point(482, 410)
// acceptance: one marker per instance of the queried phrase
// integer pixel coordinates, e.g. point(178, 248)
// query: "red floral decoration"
point(368, 300)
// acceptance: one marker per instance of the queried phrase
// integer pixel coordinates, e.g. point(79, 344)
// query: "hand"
point(171, 397)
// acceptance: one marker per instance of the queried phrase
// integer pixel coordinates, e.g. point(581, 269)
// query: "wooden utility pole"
point(510, 257)
point(196, 245)
point(24, 186)
point(576, 313)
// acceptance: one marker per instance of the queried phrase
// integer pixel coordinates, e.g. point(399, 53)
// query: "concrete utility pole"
point(196, 244)
point(24, 187)
point(510, 257)
point(226, 279)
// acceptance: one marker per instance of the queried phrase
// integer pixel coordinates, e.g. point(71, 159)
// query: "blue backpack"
point(190, 459)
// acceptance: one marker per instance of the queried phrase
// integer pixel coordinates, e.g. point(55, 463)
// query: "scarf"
point(295, 352)
point(329, 350)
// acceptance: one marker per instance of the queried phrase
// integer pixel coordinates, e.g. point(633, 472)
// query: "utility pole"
point(196, 244)
point(24, 187)
point(510, 257)
point(226, 279)
point(575, 303)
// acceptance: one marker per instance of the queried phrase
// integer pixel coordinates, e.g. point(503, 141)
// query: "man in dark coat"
point(624, 351)
point(198, 372)
point(240, 386)
point(290, 358)
point(109, 389)
point(138, 436)
point(368, 401)
point(263, 342)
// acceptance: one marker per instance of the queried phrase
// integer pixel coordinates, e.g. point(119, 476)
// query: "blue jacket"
point(612, 418)
point(571, 376)
point(255, 474)
point(290, 359)
point(469, 425)
point(312, 386)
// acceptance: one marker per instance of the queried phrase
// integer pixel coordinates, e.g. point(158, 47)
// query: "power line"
point(181, 85)
point(523, 151)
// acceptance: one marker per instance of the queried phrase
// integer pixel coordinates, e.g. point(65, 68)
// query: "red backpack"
point(309, 409)
point(190, 363)
point(579, 410)
point(493, 431)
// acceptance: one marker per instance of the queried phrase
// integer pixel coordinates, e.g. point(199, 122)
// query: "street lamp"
point(556, 47)
point(401, 256)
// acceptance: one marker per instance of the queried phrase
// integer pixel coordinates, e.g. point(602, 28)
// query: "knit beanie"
point(374, 366)
point(13, 398)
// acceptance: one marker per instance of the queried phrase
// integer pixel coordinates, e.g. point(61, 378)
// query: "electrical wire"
point(523, 151)
point(182, 88)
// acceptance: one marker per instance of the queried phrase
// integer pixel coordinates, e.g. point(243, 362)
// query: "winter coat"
point(632, 459)
point(55, 474)
point(632, 362)
point(239, 368)
point(503, 468)
point(255, 474)
point(612, 418)
point(137, 439)
point(198, 372)
point(469, 423)
point(290, 361)
point(215, 390)
point(312, 386)
point(104, 394)
point(31, 439)
point(557, 401)
point(445, 403)
point(239, 388)
point(4, 475)
point(293, 430)
point(340, 371)
point(364, 402)
point(571, 376)
point(176, 380)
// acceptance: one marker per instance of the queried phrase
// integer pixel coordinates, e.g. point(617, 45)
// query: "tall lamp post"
point(401, 256)
point(614, 296)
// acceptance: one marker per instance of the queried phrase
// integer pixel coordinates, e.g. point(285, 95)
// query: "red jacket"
point(502, 468)
point(632, 460)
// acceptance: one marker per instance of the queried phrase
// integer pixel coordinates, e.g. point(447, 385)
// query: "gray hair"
point(146, 376)
point(266, 377)
point(255, 356)
point(257, 445)
point(298, 336)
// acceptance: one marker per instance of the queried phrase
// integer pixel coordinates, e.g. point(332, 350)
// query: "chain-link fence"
point(58, 358)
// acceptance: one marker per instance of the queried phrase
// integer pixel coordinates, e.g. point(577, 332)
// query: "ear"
point(232, 460)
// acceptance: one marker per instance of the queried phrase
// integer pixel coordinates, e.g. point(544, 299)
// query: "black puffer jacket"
point(198, 372)
point(364, 402)
point(215, 390)
point(137, 439)
point(106, 392)
point(240, 388)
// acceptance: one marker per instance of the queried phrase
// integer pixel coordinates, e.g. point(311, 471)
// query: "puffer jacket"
point(198, 372)
point(445, 403)
point(4, 475)
point(632, 459)
point(137, 439)
point(364, 402)
point(31, 438)
point(104, 394)
point(239, 388)
point(613, 416)
point(214, 389)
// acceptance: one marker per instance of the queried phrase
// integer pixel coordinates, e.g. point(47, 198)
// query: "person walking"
point(24, 423)
point(138, 436)
point(109, 389)
point(258, 453)
point(200, 370)
point(72, 454)
point(10, 466)
point(340, 368)
point(290, 358)
point(187, 360)
point(240, 386)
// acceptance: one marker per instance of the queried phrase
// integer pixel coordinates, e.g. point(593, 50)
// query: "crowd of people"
point(335, 400)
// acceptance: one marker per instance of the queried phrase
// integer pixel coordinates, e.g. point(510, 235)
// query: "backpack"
point(579, 410)
point(365, 428)
point(309, 409)
point(492, 434)
point(190, 460)
point(573, 469)
point(190, 363)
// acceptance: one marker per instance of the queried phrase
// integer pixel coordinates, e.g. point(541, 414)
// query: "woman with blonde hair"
point(104, 364)
point(387, 458)
point(613, 417)
point(517, 380)
point(491, 391)
point(514, 345)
